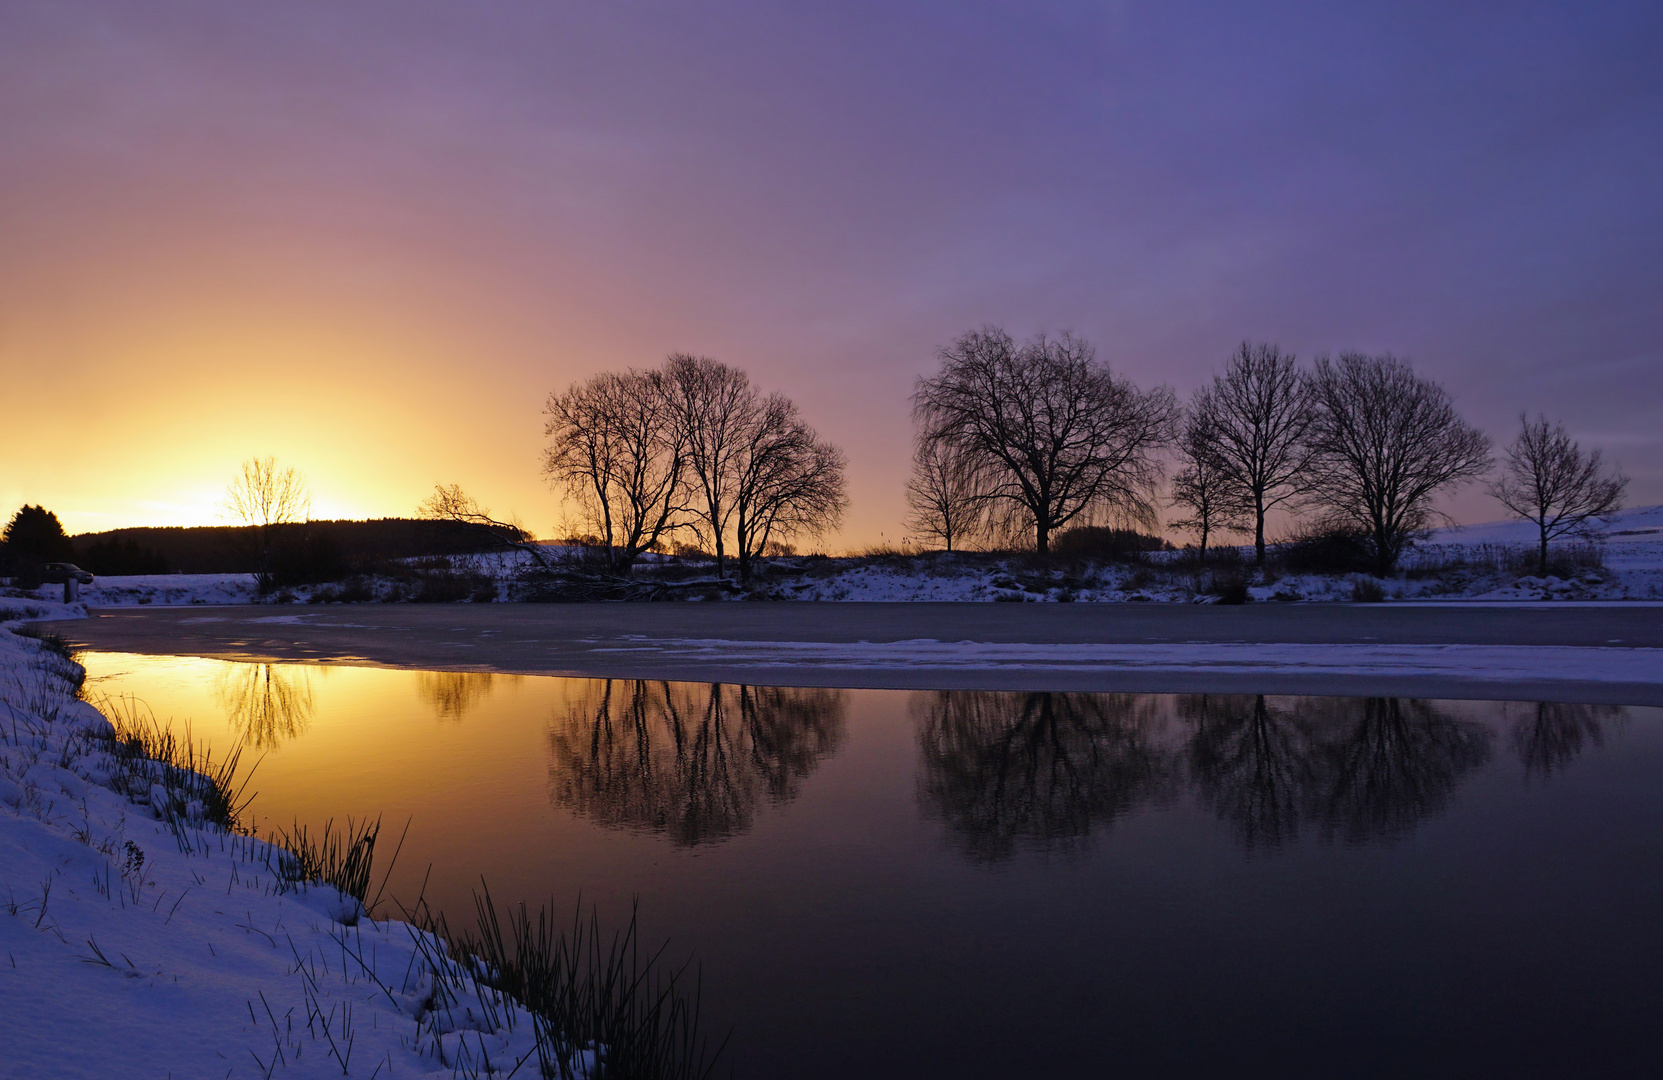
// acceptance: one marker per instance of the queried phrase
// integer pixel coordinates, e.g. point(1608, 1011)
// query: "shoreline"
point(1611, 654)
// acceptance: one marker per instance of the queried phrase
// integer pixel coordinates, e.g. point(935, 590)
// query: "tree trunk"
point(1543, 572)
point(1042, 539)
point(1385, 557)
point(1259, 534)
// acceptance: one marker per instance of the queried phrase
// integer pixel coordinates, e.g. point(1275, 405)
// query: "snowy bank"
point(142, 939)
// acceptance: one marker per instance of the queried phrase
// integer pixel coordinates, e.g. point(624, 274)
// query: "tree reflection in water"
point(268, 703)
point(454, 693)
point(1551, 735)
point(689, 760)
point(1389, 763)
point(1252, 764)
point(1012, 770)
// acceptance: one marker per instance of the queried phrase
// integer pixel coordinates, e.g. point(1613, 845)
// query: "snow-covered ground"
point(1475, 562)
point(1451, 564)
point(139, 940)
point(165, 589)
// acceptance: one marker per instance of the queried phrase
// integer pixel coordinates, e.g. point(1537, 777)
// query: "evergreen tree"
point(34, 535)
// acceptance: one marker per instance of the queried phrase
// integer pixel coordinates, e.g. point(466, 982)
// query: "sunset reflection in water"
point(929, 853)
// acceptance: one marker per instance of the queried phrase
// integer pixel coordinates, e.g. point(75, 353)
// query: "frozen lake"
point(1001, 883)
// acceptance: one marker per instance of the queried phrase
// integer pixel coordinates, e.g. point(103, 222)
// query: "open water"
point(992, 884)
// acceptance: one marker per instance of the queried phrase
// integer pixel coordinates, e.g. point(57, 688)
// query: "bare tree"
point(265, 497)
point(1202, 487)
point(451, 503)
point(1054, 435)
point(788, 483)
point(1256, 415)
point(618, 451)
point(1548, 480)
point(1383, 443)
point(717, 408)
point(943, 495)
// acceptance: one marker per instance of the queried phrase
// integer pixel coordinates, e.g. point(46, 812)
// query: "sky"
point(370, 238)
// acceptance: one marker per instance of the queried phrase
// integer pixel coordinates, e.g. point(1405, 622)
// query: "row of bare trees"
point(690, 448)
point(1027, 439)
point(1362, 440)
point(1368, 445)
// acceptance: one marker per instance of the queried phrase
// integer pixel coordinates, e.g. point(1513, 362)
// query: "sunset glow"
point(370, 240)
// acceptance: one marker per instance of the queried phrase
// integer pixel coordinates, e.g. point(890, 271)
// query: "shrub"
point(357, 589)
point(1366, 590)
point(1098, 542)
point(1564, 560)
point(448, 586)
point(26, 574)
point(1141, 578)
point(1326, 547)
point(1229, 588)
point(1221, 556)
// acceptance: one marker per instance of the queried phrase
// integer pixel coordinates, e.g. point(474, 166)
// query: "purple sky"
point(370, 237)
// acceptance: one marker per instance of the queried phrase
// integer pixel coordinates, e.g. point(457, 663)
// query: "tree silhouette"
point(1051, 435)
point(692, 761)
point(1248, 430)
point(1042, 770)
point(1383, 444)
point(265, 498)
point(1548, 480)
point(34, 535)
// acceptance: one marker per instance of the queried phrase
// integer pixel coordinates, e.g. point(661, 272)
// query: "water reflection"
point(1252, 764)
point(1043, 770)
point(453, 694)
point(268, 703)
point(691, 761)
point(1013, 770)
point(1551, 735)
point(1390, 763)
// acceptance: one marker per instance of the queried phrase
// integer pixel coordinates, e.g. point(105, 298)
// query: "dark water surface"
point(989, 884)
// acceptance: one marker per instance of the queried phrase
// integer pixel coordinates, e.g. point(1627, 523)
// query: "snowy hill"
point(1641, 523)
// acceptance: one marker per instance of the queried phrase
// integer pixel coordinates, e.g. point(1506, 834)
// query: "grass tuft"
point(183, 782)
point(601, 1006)
point(329, 857)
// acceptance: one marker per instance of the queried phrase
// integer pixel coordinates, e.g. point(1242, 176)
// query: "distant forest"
point(304, 551)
